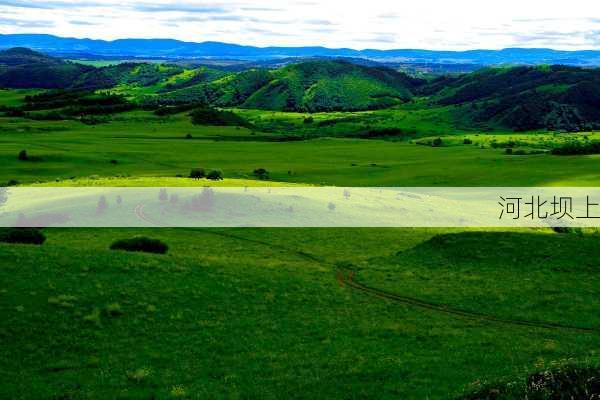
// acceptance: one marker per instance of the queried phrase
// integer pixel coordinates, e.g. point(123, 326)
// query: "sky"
point(381, 24)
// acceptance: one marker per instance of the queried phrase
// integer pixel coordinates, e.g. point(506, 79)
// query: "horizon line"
point(299, 46)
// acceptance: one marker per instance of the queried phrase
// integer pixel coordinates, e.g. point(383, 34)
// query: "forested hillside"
point(24, 68)
point(524, 98)
point(519, 98)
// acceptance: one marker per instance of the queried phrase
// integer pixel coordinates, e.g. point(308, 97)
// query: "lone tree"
point(261, 173)
point(215, 175)
point(23, 155)
point(197, 173)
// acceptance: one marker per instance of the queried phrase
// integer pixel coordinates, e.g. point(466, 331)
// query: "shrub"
point(210, 116)
point(12, 182)
point(467, 141)
point(309, 120)
point(140, 244)
point(562, 382)
point(384, 133)
point(567, 230)
point(508, 150)
point(23, 155)
point(189, 136)
point(261, 173)
point(575, 148)
point(437, 142)
point(22, 236)
point(215, 175)
point(197, 173)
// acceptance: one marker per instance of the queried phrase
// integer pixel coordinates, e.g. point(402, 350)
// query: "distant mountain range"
point(175, 49)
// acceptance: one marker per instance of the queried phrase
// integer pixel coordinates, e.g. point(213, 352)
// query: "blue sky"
point(456, 25)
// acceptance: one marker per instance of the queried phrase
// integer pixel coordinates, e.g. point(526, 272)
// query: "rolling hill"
point(332, 85)
point(24, 68)
point(525, 98)
point(322, 85)
point(520, 98)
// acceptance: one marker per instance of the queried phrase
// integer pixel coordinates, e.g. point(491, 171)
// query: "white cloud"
point(458, 24)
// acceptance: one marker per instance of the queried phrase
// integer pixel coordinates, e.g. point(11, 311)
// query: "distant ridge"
point(173, 49)
point(23, 68)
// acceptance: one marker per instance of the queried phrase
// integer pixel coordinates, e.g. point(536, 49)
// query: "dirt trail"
point(346, 279)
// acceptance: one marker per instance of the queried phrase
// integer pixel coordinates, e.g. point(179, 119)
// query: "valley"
point(247, 313)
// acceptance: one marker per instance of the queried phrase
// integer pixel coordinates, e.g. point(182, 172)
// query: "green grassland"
point(273, 313)
point(259, 313)
point(143, 144)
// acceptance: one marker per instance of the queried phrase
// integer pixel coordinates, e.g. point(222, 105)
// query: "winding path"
point(346, 279)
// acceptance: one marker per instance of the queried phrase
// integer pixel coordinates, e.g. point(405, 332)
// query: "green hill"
point(131, 76)
point(332, 85)
point(309, 86)
point(525, 98)
point(20, 56)
point(519, 98)
point(24, 68)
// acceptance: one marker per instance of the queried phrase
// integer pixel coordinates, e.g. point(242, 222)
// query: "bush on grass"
point(562, 382)
point(197, 173)
point(215, 175)
point(140, 244)
point(261, 173)
point(22, 236)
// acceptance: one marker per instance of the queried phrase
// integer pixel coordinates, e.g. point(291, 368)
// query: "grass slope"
point(150, 146)
point(247, 313)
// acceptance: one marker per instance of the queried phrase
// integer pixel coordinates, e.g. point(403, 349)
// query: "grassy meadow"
point(139, 143)
point(260, 313)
